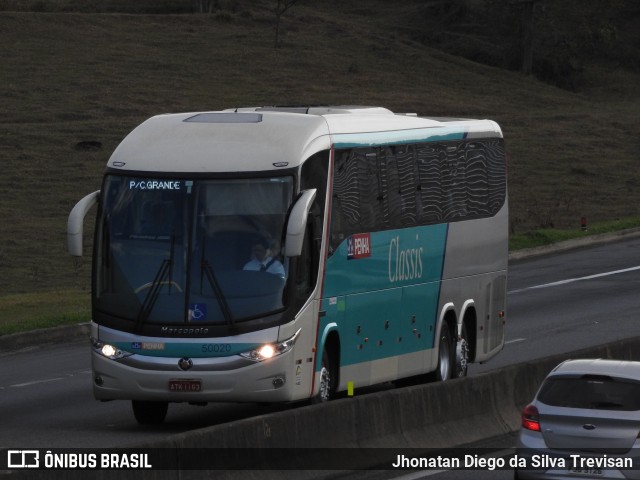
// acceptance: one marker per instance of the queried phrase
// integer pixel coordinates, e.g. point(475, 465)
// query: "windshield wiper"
point(166, 269)
point(217, 290)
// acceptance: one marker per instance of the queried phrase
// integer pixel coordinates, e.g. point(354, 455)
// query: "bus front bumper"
point(220, 379)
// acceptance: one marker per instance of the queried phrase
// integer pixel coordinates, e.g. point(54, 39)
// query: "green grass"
point(70, 78)
point(549, 236)
point(30, 311)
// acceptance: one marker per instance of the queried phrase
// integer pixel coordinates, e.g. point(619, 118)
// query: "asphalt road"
point(556, 304)
point(565, 302)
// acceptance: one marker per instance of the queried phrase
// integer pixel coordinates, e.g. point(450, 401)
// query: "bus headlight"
point(107, 350)
point(270, 350)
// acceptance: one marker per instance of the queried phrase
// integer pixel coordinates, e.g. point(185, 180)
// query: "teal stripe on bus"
point(384, 301)
point(400, 137)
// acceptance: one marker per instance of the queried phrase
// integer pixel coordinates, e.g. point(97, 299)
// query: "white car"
point(584, 422)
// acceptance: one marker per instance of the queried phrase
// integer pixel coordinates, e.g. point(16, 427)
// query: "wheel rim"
point(462, 357)
point(325, 383)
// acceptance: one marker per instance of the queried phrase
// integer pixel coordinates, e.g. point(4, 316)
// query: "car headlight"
point(270, 350)
point(107, 350)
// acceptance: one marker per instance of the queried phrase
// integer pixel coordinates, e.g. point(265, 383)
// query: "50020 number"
point(216, 348)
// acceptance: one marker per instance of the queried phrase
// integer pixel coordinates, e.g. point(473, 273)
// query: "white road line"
point(46, 380)
point(36, 382)
point(578, 279)
point(515, 340)
point(420, 474)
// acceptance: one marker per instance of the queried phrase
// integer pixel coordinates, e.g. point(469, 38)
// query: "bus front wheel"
point(149, 413)
point(327, 380)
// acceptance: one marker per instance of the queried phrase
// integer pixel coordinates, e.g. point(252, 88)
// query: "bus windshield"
point(175, 251)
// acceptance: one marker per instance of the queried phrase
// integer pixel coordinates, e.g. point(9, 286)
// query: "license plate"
point(585, 471)
point(185, 385)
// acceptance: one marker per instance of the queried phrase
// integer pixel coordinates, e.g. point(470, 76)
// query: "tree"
point(204, 6)
point(280, 8)
point(527, 36)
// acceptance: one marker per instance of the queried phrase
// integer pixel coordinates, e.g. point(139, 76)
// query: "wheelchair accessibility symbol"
point(197, 312)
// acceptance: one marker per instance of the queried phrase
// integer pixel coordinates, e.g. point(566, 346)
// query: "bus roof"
point(269, 138)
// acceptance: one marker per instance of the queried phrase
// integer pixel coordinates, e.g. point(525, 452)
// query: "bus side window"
point(315, 173)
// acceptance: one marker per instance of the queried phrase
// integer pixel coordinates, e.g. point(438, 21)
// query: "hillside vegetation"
point(74, 83)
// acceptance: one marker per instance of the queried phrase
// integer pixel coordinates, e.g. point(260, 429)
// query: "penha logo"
point(359, 246)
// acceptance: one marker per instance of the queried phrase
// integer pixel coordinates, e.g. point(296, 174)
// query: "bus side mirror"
point(75, 223)
point(298, 223)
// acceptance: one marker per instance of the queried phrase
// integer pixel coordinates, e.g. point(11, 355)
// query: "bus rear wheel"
point(149, 413)
point(462, 354)
point(446, 361)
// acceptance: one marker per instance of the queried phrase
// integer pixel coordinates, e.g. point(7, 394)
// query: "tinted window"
point(177, 250)
point(594, 392)
point(314, 174)
point(381, 188)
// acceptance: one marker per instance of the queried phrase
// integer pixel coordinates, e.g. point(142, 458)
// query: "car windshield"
point(591, 392)
point(172, 251)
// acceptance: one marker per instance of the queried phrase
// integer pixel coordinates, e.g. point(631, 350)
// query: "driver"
point(264, 259)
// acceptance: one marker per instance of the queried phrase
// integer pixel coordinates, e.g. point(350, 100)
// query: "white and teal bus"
point(279, 254)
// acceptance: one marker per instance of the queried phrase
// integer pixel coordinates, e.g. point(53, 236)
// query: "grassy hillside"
point(74, 84)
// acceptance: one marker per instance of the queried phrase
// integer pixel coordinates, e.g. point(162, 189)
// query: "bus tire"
point(327, 380)
point(446, 351)
point(462, 354)
point(149, 413)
